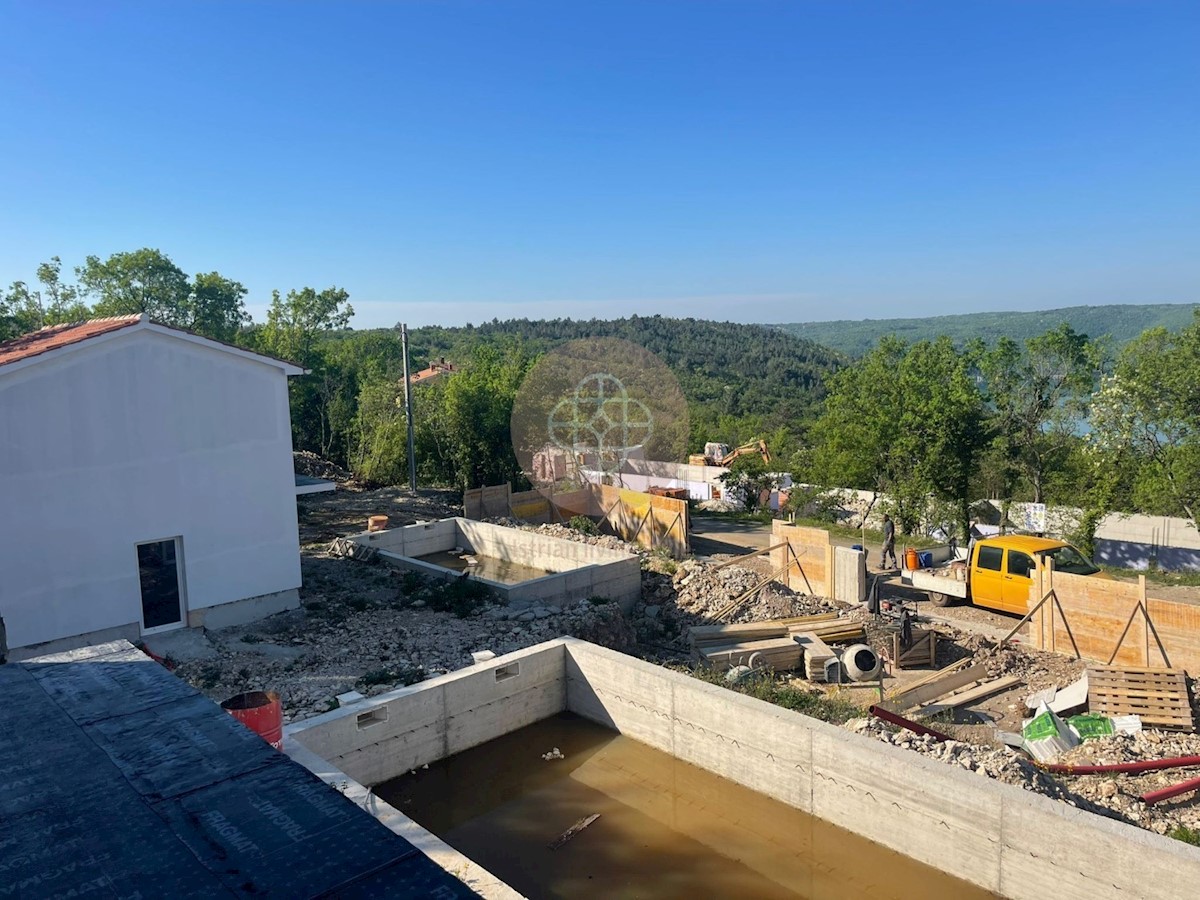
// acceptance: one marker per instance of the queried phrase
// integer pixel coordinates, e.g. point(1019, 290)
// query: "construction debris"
point(967, 697)
point(347, 549)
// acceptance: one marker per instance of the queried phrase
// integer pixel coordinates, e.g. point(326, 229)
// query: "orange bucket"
point(261, 712)
point(377, 523)
point(911, 560)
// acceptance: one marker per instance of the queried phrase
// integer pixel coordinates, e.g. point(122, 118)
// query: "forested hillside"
point(738, 379)
point(1123, 322)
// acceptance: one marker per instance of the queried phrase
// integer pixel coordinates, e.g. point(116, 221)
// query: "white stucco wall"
point(136, 437)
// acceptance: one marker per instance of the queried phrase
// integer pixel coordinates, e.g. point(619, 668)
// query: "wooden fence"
point(645, 519)
point(1113, 622)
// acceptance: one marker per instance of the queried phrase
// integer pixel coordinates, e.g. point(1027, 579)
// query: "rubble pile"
point(1116, 796)
point(305, 462)
point(366, 627)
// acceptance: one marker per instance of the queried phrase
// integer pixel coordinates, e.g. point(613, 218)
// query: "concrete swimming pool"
point(524, 567)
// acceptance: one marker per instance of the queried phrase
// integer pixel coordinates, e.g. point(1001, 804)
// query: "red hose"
point(888, 716)
point(1173, 791)
point(1144, 765)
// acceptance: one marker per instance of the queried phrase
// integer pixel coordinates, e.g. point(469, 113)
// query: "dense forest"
point(1121, 322)
point(1057, 417)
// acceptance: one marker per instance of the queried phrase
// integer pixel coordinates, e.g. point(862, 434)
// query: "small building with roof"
point(146, 481)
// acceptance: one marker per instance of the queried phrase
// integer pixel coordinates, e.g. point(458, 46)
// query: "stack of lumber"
point(816, 654)
point(781, 654)
point(1158, 696)
point(826, 626)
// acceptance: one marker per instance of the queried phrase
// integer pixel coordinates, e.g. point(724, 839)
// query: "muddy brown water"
point(667, 829)
point(488, 567)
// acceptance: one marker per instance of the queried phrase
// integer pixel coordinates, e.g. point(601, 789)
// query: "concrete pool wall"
point(997, 836)
point(578, 570)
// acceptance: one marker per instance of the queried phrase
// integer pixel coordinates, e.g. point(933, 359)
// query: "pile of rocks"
point(305, 462)
point(1116, 796)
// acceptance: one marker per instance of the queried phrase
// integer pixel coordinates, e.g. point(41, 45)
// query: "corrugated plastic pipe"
point(1144, 765)
point(1174, 790)
point(888, 716)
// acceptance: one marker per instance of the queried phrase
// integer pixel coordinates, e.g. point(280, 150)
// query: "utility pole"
point(408, 411)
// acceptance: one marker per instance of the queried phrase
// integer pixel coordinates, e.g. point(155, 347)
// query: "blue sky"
point(756, 161)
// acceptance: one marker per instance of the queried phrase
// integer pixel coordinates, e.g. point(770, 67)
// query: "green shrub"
point(462, 596)
point(583, 525)
point(402, 675)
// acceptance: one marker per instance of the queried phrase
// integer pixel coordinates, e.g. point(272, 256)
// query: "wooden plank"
point(971, 695)
point(937, 687)
point(573, 830)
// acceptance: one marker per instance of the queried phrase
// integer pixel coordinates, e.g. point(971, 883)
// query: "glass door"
point(160, 576)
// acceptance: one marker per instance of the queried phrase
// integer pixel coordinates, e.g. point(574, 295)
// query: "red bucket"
point(261, 712)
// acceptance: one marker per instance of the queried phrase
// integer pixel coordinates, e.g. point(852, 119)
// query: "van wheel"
point(939, 599)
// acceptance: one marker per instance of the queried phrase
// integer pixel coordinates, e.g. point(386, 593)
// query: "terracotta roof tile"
point(43, 341)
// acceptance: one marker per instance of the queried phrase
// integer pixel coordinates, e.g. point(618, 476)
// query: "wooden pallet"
point(816, 654)
point(922, 652)
point(1158, 696)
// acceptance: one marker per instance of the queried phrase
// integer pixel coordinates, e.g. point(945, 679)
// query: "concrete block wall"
point(849, 575)
point(997, 836)
point(413, 540)
point(439, 717)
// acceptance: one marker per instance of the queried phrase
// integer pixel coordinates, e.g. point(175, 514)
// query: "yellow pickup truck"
point(999, 572)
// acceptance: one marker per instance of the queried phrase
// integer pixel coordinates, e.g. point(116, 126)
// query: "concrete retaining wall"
point(579, 570)
point(994, 835)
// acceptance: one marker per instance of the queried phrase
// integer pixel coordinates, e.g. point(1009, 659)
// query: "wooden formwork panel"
point(1158, 696)
point(1114, 617)
point(808, 557)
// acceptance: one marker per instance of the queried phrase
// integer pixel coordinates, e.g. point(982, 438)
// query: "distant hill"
point(1122, 322)
point(757, 374)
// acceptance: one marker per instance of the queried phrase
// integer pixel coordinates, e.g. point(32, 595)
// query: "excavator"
point(721, 455)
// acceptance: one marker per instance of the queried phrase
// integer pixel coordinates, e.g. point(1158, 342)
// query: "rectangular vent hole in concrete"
point(372, 717)
point(512, 670)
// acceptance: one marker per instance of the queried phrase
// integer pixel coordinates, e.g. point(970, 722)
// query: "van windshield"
point(1068, 559)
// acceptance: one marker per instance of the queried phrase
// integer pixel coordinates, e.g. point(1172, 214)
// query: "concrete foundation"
point(578, 570)
point(240, 612)
point(997, 836)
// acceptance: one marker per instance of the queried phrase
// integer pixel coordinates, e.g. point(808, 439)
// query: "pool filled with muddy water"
point(666, 829)
point(502, 570)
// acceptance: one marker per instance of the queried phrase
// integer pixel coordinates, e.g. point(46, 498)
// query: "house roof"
point(29, 347)
point(123, 779)
point(46, 339)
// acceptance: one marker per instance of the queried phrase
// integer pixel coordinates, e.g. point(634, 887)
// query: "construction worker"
point(889, 542)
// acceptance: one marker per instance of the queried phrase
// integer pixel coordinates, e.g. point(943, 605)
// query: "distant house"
point(146, 483)
point(436, 370)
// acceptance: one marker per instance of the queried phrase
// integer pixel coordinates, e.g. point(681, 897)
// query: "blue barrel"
point(926, 558)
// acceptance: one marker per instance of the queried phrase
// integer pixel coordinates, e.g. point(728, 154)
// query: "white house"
point(146, 483)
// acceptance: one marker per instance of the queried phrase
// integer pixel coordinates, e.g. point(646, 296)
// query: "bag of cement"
point(1047, 736)
point(1091, 725)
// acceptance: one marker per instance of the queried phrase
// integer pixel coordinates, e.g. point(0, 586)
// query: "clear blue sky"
point(756, 161)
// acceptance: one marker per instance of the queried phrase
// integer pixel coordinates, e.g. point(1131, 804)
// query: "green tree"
point(907, 421)
point(216, 307)
point(23, 309)
point(296, 322)
point(141, 281)
point(1037, 398)
point(1148, 411)
point(463, 421)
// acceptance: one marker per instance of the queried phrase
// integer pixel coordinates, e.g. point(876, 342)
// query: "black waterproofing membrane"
point(117, 779)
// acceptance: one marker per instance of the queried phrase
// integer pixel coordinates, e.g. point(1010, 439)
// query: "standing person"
point(889, 542)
